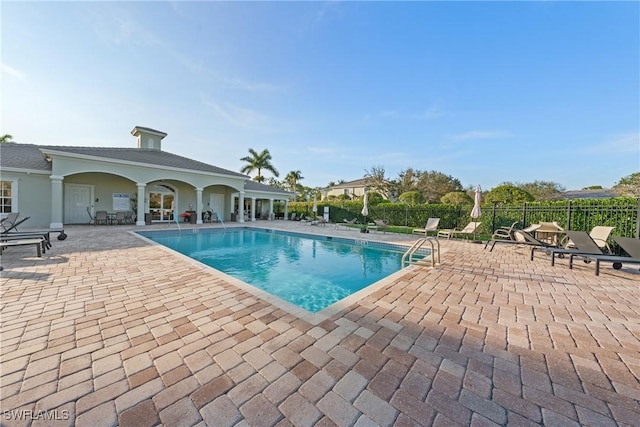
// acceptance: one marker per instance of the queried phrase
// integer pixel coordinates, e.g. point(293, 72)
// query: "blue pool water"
point(309, 271)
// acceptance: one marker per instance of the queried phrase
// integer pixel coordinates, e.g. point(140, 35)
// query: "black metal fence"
point(581, 215)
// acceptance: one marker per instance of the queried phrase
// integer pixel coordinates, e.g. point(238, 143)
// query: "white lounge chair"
point(432, 225)
point(470, 229)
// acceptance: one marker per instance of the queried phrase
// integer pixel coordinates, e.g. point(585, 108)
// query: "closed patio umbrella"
point(365, 207)
point(476, 211)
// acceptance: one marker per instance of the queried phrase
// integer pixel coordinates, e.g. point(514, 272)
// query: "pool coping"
point(311, 317)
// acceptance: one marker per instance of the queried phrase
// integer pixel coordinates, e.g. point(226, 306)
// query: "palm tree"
point(293, 178)
point(5, 138)
point(258, 161)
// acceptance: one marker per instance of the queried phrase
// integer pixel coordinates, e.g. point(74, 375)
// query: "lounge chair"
point(18, 235)
point(600, 234)
point(502, 233)
point(11, 222)
point(378, 225)
point(470, 229)
point(583, 244)
point(431, 225)
point(37, 242)
point(523, 238)
point(631, 246)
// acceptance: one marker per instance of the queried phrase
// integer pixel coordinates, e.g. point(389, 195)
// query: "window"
point(345, 191)
point(7, 199)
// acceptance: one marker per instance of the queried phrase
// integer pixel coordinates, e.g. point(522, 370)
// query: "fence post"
point(493, 218)
point(524, 215)
point(568, 214)
point(638, 221)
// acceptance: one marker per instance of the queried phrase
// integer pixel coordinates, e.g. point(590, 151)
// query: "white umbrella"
point(365, 202)
point(365, 209)
point(476, 211)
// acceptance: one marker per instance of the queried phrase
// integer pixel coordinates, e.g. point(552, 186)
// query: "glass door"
point(161, 203)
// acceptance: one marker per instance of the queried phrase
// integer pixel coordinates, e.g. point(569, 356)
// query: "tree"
point(407, 180)
point(628, 186)
point(456, 198)
point(433, 185)
point(411, 197)
point(541, 190)
point(292, 179)
point(6, 138)
point(258, 161)
point(507, 194)
point(376, 181)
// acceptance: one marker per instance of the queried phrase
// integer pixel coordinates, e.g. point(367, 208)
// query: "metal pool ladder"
point(408, 256)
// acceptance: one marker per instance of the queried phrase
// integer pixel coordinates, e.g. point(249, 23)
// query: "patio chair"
point(120, 216)
point(503, 233)
point(431, 225)
point(128, 217)
point(11, 222)
point(631, 246)
point(469, 230)
point(600, 234)
point(92, 219)
point(101, 218)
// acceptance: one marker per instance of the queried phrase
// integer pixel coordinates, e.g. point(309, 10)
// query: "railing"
point(408, 257)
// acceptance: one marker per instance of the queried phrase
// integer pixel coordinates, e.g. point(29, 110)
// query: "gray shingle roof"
point(29, 156)
point(23, 156)
point(256, 186)
point(145, 156)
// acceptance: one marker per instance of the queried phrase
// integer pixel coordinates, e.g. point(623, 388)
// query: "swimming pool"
point(309, 271)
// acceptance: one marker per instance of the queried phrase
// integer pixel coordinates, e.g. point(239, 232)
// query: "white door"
point(76, 200)
point(216, 205)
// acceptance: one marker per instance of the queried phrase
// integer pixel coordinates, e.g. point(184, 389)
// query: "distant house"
point(603, 193)
point(56, 185)
point(353, 189)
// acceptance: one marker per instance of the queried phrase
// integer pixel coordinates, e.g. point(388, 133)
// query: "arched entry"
point(162, 199)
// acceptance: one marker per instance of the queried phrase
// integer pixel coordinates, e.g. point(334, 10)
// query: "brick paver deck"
point(107, 329)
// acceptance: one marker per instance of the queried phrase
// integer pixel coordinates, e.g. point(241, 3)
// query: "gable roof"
point(30, 156)
point(252, 185)
point(362, 182)
point(23, 156)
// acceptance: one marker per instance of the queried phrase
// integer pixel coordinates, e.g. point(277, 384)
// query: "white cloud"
point(253, 86)
point(619, 144)
point(238, 116)
point(13, 72)
point(431, 113)
point(480, 134)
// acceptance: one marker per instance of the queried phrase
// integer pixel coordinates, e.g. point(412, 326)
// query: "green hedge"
point(581, 215)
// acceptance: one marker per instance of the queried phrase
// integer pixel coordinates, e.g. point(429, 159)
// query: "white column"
point(271, 210)
point(241, 207)
point(141, 204)
point(56, 201)
point(199, 205)
point(286, 210)
point(232, 203)
point(253, 209)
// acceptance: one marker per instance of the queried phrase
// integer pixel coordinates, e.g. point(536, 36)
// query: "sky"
point(486, 92)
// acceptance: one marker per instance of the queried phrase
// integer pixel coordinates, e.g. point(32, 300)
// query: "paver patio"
point(106, 329)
